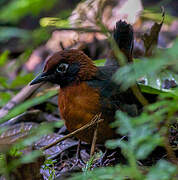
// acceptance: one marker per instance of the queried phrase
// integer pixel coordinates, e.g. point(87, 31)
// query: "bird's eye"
point(62, 68)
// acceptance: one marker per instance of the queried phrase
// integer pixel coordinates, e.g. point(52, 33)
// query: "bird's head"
point(66, 67)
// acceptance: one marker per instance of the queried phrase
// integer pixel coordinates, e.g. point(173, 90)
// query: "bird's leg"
point(78, 157)
point(78, 150)
point(73, 133)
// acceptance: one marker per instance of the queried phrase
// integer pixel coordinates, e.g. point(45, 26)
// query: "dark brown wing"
point(111, 96)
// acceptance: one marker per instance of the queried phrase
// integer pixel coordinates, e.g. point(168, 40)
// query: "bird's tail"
point(124, 37)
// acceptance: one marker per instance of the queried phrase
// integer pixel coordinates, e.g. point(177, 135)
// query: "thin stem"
point(93, 121)
point(94, 138)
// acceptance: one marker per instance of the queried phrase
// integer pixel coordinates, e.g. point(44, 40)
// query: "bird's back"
point(112, 97)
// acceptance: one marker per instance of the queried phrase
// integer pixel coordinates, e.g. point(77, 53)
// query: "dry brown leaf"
point(151, 39)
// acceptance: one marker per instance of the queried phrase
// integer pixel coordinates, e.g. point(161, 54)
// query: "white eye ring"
point(62, 68)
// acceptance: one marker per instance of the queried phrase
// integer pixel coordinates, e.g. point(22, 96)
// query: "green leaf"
point(161, 82)
point(40, 35)
point(21, 80)
point(17, 9)
point(112, 144)
point(124, 126)
point(146, 68)
point(28, 158)
point(3, 82)
point(4, 58)
point(152, 90)
point(145, 148)
point(148, 14)
point(100, 62)
point(142, 139)
point(7, 33)
point(107, 173)
point(163, 170)
point(52, 21)
point(15, 152)
point(64, 14)
point(4, 98)
point(27, 104)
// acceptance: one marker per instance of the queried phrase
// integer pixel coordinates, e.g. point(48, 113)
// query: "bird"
point(87, 90)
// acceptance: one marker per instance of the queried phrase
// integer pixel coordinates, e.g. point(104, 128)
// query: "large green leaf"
point(148, 14)
point(21, 80)
point(163, 170)
point(7, 33)
point(16, 9)
point(4, 58)
point(129, 74)
point(27, 104)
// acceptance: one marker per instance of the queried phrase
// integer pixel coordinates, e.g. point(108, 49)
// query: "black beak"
point(40, 78)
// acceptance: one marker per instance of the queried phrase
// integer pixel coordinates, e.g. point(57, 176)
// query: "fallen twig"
point(87, 29)
point(21, 96)
point(96, 119)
